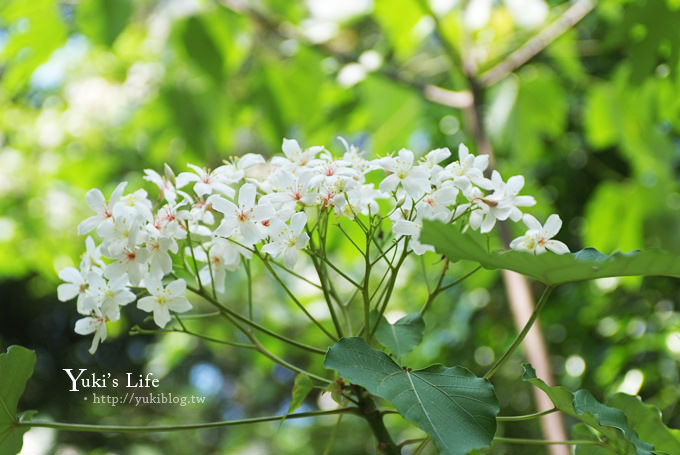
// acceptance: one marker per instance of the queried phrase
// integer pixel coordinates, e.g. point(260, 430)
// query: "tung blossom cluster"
point(221, 217)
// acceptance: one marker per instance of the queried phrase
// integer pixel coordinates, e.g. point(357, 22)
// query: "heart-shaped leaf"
point(646, 421)
point(611, 422)
point(549, 268)
point(402, 336)
point(455, 407)
point(16, 367)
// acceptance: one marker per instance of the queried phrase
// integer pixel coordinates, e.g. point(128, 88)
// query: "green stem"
point(297, 302)
point(141, 331)
point(520, 337)
point(194, 426)
point(390, 287)
point(535, 415)
point(374, 417)
point(546, 442)
point(249, 278)
point(440, 288)
point(255, 325)
point(193, 258)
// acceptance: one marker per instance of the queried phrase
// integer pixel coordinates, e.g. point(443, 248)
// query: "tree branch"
point(434, 93)
point(536, 44)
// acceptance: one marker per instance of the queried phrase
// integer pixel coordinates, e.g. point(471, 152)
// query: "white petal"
point(404, 227)
point(179, 305)
point(552, 226)
point(147, 303)
point(250, 160)
point(67, 291)
point(71, 275)
point(89, 224)
point(161, 316)
point(297, 222)
point(95, 199)
point(246, 195)
point(531, 222)
point(557, 247)
point(290, 147)
point(177, 287)
point(85, 326)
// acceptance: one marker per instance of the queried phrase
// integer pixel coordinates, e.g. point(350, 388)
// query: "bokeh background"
point(94, 91)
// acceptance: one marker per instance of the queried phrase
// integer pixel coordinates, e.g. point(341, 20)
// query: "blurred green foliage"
point(94, 91)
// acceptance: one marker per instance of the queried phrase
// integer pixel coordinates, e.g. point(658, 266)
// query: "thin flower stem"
point(422, 446)
point(264, 351)
point(212, 277)
point(321, 272)
point(546, 442)
point(424, 270)
point(194, 426)
point(297, 302)
point(226, 310)
point(249, 279)
point(390, 287)
point(410, 441)
point(193, 258)
point(350, 239)
point(325, 260)
point(520, 337)
point(334, 433)
point(291, 272)
point(141, 331)
point(441, 288)
point(525, 417)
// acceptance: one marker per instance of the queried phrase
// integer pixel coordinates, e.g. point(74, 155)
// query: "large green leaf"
point(550, 268)
point(16, 366)
point(202, 50)
point(402, 336)
point(611, 422)
point(452, 405)
point(646, 421)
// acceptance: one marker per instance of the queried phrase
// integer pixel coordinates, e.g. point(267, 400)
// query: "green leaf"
point(303, 385)
point(402, 336)
point(202, 49)
point(103, 20)
point(611, 422)
point(452, 405)
point(646, 421)
point(549, 268)
point(17, 367)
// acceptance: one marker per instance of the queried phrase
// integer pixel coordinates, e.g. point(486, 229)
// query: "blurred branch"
point(434, 93)
point(531, 48)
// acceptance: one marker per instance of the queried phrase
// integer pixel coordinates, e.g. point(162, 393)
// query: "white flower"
point(358, 200)
point(404, 228)
point(131, 261)
point(96, 324)
point(538, 238)
point(134, 205)
point(434, 205)
point(164, 299)
point(106, 297)
point(76, 285)
point(469, 168)
point(207, 182)
point(431, 161)
point(120, 234)
point(234, 171)
point(245, 217)
point(501, 204)
point(295, 157)
point(225, 256)
point(103, 211)
point(167, 189)
point(414, 179)
point(286, 240)
point(158, 247)
point(291, 189)
point(92, 258)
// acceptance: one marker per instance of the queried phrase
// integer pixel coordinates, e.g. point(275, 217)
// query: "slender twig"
point(546, 442)
point(193, 426)
point(297, 302)
point(571, 16)
point(520, 337)
point(255, 325)
point(141, 331)
point(524, 417)
point(434, 93)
